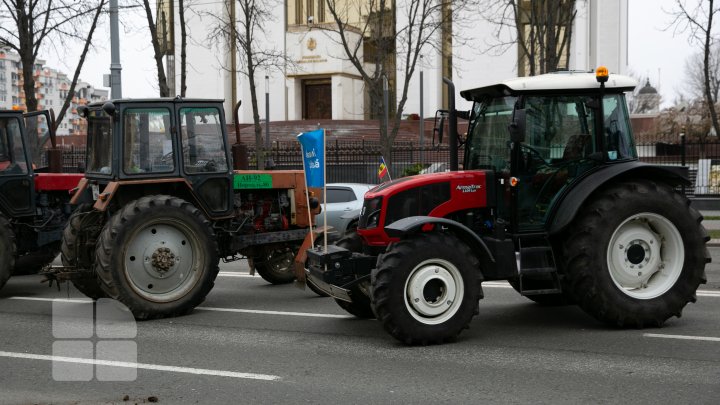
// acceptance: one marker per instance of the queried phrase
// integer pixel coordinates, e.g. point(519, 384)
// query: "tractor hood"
point(461, 180)
point(437, 195)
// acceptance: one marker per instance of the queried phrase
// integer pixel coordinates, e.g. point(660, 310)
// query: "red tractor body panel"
point(57, 181)
point(468, 190)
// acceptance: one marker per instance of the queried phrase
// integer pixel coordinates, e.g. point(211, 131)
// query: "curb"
point(713, 243)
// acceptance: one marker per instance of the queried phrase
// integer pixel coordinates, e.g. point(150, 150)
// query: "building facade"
point(320, 83)
point(51, 89)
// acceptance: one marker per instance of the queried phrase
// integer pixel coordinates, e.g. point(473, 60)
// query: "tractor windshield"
point(487, 143)
point(12, 153)
point(99, 143)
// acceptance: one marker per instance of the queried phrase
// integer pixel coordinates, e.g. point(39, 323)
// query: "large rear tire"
point(78, 250)
point(635, 254)
point(276, 265)
point(7, 250)
point(425, 289)
point(360, 305)
point(158, 256)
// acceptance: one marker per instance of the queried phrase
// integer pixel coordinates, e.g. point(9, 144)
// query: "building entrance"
point(317, 99)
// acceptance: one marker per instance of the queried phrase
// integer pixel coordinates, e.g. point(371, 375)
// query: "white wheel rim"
point(434, 291)
point(163, 260)
point(645, 256)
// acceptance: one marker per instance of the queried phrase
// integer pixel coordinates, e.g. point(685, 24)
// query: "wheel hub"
point(434, 291)
point(163, 259)
point(645, 255)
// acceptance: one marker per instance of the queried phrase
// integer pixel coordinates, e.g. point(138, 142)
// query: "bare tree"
point(256, 54)
point(542, 31)
point(695, 73)
point(395, 41)
point(27, 26)
point(160, 46)
point(697, 18)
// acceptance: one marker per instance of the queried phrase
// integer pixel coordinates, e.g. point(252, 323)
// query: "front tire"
point(636, 254)
point(76, 251)
point(360, 305)
point(158, 256)
point(276, 265)
point(7, 250)
point(425, 289)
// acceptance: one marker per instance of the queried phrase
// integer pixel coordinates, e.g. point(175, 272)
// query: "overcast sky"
point(654, 52)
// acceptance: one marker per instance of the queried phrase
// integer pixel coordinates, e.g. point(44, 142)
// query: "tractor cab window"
point(559, 143)
point(38, 139)
point(203, 142)
point(487, 145)
point(147, 144)
point(618, 138)
point(99, 143)
point(12, 155)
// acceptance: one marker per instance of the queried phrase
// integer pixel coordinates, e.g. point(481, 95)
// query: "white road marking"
point(235, 310)
point(286, 313)
point(144, 366)
point(682, 337)
point(235, 274)
point(488, 284)
point(75, 300)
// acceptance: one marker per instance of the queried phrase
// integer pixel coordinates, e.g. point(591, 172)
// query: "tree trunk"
point(183, 49)
point(706, 70)
point(162, 79)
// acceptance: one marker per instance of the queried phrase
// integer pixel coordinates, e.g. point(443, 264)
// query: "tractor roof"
point(156, 100)
point(552, 83)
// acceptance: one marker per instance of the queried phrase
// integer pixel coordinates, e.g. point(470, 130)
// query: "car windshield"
point(99, 152)
point(487, 144)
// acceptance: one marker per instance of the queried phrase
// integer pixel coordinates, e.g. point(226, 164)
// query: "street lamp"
point(269, 163)
point(422, 119)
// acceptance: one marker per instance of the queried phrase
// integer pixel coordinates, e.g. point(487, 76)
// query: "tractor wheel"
point(32, 263)
point(276, 266)
point(360, 306)
point(7, 250)
point(86, 222)
point(546, 300)
point(426, 288)
point(635, 254)
point(158, 256)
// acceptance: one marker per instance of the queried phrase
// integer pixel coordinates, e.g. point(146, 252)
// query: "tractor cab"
point(24, 139)
point(563, 126)
point(161, 143)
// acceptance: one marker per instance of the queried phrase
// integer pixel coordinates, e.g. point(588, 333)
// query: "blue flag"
point(313, 157)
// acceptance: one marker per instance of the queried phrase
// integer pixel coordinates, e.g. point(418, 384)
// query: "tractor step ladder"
point(537, 272)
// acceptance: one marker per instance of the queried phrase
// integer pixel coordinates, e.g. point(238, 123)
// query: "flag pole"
point(307, 200)
point(324, 189)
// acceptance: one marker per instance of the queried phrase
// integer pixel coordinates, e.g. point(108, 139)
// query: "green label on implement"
point(249, 181)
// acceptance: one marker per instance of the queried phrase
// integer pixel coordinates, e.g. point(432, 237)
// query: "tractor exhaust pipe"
point(54, 154)
point(239, 150)
point(452, 125)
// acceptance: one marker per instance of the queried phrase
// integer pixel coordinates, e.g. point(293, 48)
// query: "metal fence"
point(358, 161)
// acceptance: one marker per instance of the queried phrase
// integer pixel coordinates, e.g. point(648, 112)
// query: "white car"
point(344, 202)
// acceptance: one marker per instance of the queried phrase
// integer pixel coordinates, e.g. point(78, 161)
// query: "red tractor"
point(34, 197)
point(552, 198)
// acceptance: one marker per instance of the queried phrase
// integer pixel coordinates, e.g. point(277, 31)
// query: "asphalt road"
point(306, 351)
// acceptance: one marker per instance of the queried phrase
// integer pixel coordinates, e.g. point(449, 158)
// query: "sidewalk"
point(713, 225)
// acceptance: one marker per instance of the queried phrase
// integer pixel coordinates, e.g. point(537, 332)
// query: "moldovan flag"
point(313, 150)
point(382, 170)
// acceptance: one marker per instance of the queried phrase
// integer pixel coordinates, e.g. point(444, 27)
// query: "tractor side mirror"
point(439, 127)
point(109, 108)
point(517, 126)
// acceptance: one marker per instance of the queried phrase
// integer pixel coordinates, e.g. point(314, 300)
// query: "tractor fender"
point(575, 197)
point(410, 225)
